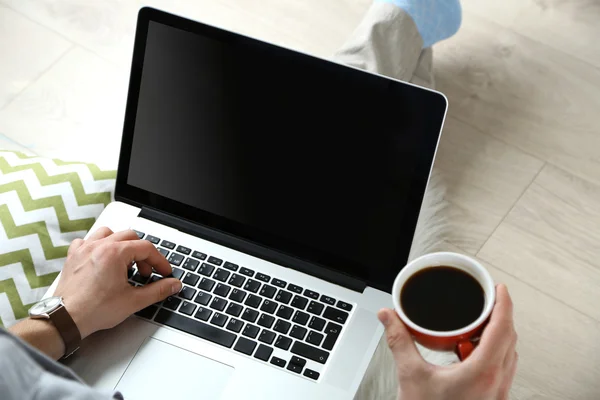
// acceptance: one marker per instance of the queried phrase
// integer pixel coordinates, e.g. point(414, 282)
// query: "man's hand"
point(94, 283)
point(487, 374)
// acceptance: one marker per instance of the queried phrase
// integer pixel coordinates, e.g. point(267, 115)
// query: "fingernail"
point(176, 288)
point(383, 317)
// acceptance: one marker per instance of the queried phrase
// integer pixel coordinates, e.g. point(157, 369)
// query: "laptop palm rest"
point(150, 374)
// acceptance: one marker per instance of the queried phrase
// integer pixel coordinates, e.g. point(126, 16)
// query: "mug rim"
point(488, 286)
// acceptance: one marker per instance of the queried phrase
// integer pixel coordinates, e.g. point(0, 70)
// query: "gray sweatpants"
point(385, 42)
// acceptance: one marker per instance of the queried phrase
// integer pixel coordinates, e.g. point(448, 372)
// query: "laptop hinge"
point(253, 249)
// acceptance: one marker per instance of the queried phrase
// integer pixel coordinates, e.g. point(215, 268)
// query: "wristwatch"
point(54, 310)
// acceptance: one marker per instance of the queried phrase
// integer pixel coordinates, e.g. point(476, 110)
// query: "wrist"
point(41, 334)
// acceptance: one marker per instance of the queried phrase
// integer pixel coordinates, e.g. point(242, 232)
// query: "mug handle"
point(464, 349)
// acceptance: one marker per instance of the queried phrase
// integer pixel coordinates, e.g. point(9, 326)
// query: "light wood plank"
point(551, 239)
point(484, 178)
point(524, 93)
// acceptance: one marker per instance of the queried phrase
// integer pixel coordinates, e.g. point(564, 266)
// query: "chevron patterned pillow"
point(44, 205)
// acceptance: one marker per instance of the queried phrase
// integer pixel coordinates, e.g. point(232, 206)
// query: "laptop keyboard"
point(247, 310)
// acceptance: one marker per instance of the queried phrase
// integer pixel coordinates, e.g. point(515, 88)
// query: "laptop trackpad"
point(163, 371)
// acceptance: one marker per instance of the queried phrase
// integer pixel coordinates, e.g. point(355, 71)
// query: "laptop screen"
point(319, 161)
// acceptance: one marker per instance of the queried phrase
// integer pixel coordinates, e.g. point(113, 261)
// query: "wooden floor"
point(520, 151)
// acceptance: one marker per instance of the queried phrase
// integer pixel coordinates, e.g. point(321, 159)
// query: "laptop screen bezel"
point(142, 198)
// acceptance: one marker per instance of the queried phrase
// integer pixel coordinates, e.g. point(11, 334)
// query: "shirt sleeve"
point(27, 374)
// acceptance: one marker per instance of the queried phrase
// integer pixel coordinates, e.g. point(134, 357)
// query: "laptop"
point(284, 190)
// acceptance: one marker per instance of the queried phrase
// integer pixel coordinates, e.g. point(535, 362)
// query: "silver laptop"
point(284, 190)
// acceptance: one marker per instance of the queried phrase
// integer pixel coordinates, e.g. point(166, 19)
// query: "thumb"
point(156, 291)
point(399, 339)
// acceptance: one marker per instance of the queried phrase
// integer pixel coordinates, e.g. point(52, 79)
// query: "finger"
point(511, 351)
point(510, 376)
point(399, 339)
point(124, 235)
point(100, 233)
point(496, 337)
point(143, 250)
point(155, 292)
point(144, 268)
point(75, 244)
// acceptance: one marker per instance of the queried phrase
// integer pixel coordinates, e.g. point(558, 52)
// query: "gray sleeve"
point(27, 374)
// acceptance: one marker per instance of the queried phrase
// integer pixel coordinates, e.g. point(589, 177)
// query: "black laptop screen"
point(322, 162)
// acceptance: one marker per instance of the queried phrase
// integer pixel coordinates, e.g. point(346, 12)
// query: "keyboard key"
point(335, 315)
point(283, 296)
point(175, 259)
point(206, 269)
point(177, 273)
point(162, 251)
point(250, 315)
point(218, 319)
point(237, 295)
point(190, 264)
point(252, 286)
point(246, 271)
point(316, 323)
point(294, 288)
point(167, 244)
point(253, 301)
point(172, 303)
point(187, 293)
point(266, 336)
point(314, 338)
point(147, 312)
point(203, 313)
point(278, 283)
point(263, 277)
point(315, 308)
point(311, 294)
point(139, 278)
point(298, 332)
point(299, 302)
point(236, 280)
point(183, 250)
point(222, 290)
point(283, 342)
point(191, 279)
point(195, 328)
point(215, 260)
point(251, 331)
point(198, 255)
point(278, 361)
point(245, 346)
point(152, 239)
point(235, 325)
point(298, 361)
point(130, 272)
point(328, 300)
point(268, 291)
point(140, 234)
point(206, 284)
point(221, 275)
point(333, 328)
point(155, 278)
point(309, 373)
point(187, 308)
point(234, 309)
point(263, 352)
point(266, 320)
point(218, 304)
point(268, 306)
point(333, 332)
point(282, 326)
point(294, 368)
point(310, 352)
point(202, 298)
point(230, 266)
point(344, 306)
point(285, 312)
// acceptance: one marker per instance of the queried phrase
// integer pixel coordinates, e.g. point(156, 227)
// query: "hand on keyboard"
point(94, 282)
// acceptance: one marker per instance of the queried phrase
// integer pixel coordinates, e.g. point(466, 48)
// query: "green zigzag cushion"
point(44, 205)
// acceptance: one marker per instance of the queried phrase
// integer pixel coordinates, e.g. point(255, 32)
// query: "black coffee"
point(442, 298)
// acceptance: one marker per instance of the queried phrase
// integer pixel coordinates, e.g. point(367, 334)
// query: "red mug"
point(462, 341)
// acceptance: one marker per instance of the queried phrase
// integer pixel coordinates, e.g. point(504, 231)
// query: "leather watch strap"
point(67, 329)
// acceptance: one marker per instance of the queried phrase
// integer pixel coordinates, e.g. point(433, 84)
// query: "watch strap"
point(67, 329)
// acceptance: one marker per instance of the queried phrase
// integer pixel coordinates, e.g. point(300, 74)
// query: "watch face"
point(45, 306)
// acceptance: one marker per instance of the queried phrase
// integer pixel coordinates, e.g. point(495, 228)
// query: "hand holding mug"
point(485, 375)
